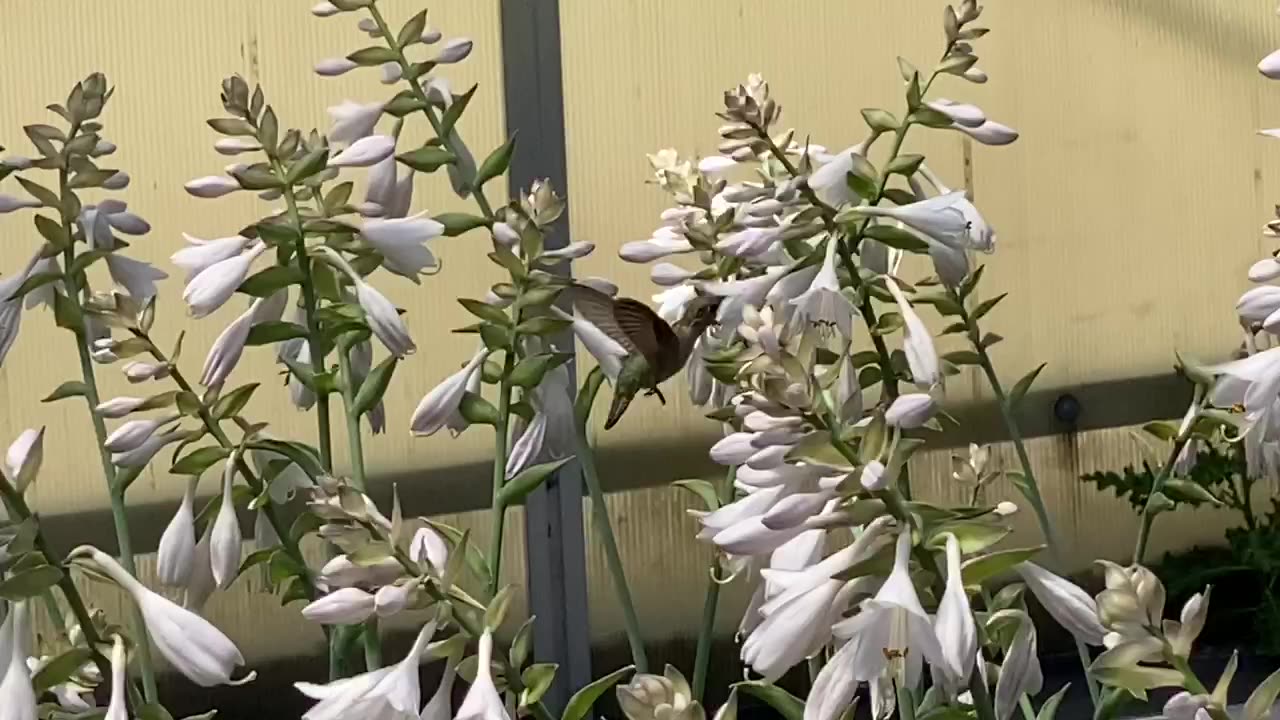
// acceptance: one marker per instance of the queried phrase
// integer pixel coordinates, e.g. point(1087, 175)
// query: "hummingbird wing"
point(630, 323)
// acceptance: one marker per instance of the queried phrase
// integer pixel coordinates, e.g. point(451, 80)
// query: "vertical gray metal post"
point(557, 578)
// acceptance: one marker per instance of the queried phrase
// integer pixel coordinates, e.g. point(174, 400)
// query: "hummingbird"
point(655, 350)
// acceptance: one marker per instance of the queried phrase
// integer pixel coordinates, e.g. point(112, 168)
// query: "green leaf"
point(496, 164)
point(29, 583)
point(302, 455)
point(486, 312)
point(52, 232)
point(85, 259)
point(477, 410)
point(880, 120)
point(256, 177)
point(372, 56)
point(587, 395)
point(897, 237)
point(888, 323)
point(1021, 387)
point(411, 31)
point(454, 111)
point(233, 402)
point(197, 461)
point(70, 388)
point(521, 644)
point(904, 164)
point(404, 103)
point(457, 223)
point(703, 490)
point(427, 159)
point(1049, 710)
point(788, 706)
point(496, 613)
point(978, 570)
point(232, 126)
point(277, 233)
point(1263, 697)
point(66, 314)
point(515, 490)
point(537, 679)
point(60, 669)
point(1137, 679)
point(963, 357)
point(545, 325)
point(308, 165)
point(580, 704)
point(266, 282)
point(530, 371)
point(974, 536)
point(985, 306)
point(274, 331)
point(374, 386)
point(39, 192)
point(1223, 685)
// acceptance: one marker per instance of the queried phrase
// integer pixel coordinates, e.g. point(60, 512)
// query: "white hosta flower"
point(740, 293)
point(716, 164)
point(118, 181)
point(750, 242)
point(874, 477)
point(201, 584)
point(672, 302)
point(1259, 305)
point(482, 701)
point(890, 624)
point(759, 328)
point(1020, 673)
point(1264, 270)
point(454, 51)
point(390, 693)
point(911, 410)
point(823, 302)
point(142, 454)
point(225, 542)
point(1183, 633)
point(939, 217)
point(17, 697)
point(665, 242)
point(200, 254)
point(400, 241)
point(440, 706)
point(324, 9)
point(136, 277)
point(341, 572)
point(957, 634)
point(525, 450)
point(1270, 65)
point(609, 354)
point(352, 121)
point(332, 67)
point(133, 433)
point(830, 183)
point(436, 406)
point(214, 285)
point(191, 644)
point(117, 707)
point(975, 75)
point(917, 344)
point(225, 353)
point(23, 458)
point(141, 371)
point(667, 274)
point(429, 546)
point(211, 186)
point(505, 235)
point(1070, 606)
point(989, 133)
point(177, 552)
point(11, 310)
point(960, 113)
point(391, 599)
point(366, 151)
point(572, 251)
point(344, 606)
point(9, 203)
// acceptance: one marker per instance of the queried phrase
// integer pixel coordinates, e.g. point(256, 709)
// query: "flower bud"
point(9, 203)
point(225, 542)
point(135, 432)
point(118, 181)
point(874, 478)
point(345, 606)
point(391, 599)
point(235, 146)
point(910, 410)
point(1270, 65)
point(324, 9)
point(22, 460)
point(365, 151)
point(331, 67)
point(212, 186)
point(505, 235)
point(141, 371)
point(456, 50)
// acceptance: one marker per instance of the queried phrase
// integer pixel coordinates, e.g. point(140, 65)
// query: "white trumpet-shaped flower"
point(225, 352)
point(23, 458)
point(381, 315)
point(201, 584)
point(134, 433)
point(390, 693)
point(191, 644)
point(17, 697)
point(391, 599)
point(1020, 673)
point(957, 633)
point(400, 241)
point(117, 707)
point(352, 121)
point(609, 354)
point(177, 552)
point(11, 309)
point(200, 254)
point(214, 285)
point(917, 344)
point(938, 217)
point(225, 542)
point(482, 701)
point(366, 151)
point(136, 277)
point(142, 454)
point(830, 181)
point(428, 545)
point(440, 706)
point(436, 406)
point(960, 113)
point(989, 133)
point(1065, 602)
point(344, 606)
point(823, 302)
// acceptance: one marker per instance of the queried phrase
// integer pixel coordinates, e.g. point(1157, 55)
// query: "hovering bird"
point(655, 350)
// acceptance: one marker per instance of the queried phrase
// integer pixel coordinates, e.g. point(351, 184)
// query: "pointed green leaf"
point(703, 490)
point(537, 681)
point(374, 386)
point(897, 237)
point(60, 669)
point(274, 331)
point(787, 705)
point(457, 223)
point(1263, 697)
point(515, 490)
point(486, 312)
point(978, 570)
point(53, 232)
point(985, 306)
point(197, 461)
point(233, 402)
point(580, 704)
point(1049, 710)
point(372, 56)
point(427, 159)
point(266, 282)
point(70, 388)
point(29, 583)
point(529, 372)
point(454, 111)
point(1021, 387)
point(496, 164)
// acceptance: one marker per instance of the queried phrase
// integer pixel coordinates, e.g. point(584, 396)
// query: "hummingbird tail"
point(619, 406)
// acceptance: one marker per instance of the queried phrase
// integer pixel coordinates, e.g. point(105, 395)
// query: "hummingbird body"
point(655, 350)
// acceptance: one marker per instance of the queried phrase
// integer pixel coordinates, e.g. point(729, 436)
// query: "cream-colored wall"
point(1127, 212)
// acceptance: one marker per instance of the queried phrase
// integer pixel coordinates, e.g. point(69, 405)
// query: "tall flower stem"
point(600, 519)
point(115, 493)
point(1149, 511)
point(1029, 487)
point(18, 507)
point(500, 436)
point(355, 447)
point(706, 631)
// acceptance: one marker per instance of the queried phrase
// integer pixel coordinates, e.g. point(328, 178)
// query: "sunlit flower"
point(344, 606)
point(365, 151)
point(201, 254)
point(390, 693)
point(400, 241)
point(352, 121)
point(226, 540)
point(917, 344)
point(176, 554)
point(214, 285)
point(823, 302)
point(17, 697)
point(225, 352)
point(436, 406)
point(23, 458)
